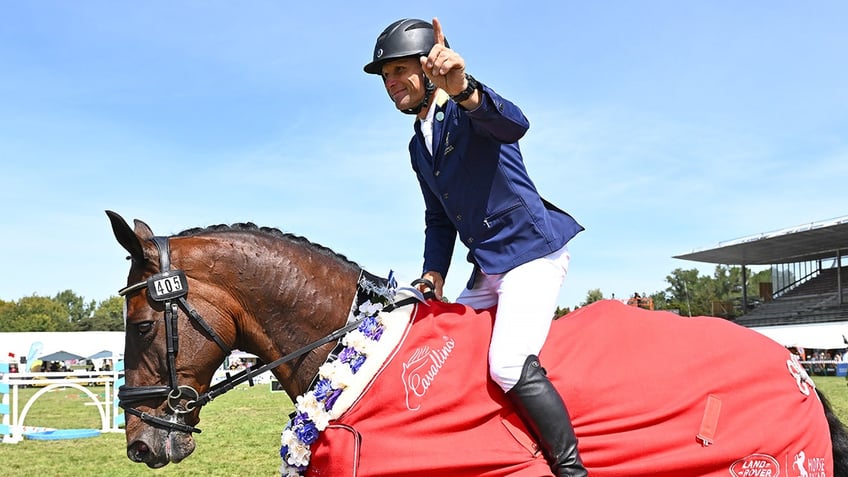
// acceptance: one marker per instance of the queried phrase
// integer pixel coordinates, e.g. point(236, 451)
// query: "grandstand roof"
point(808, 335)
point(813, 241)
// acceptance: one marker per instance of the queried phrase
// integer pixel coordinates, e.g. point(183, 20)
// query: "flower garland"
point(316, 408)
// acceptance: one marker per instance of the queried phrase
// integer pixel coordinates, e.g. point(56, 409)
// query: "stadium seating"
point(814, 301)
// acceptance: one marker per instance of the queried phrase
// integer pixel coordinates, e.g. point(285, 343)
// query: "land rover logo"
point(756, 465)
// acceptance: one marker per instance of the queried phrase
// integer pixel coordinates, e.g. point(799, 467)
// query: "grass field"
point(241, 436)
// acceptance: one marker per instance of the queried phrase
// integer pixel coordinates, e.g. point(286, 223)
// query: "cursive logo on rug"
point(421, 369)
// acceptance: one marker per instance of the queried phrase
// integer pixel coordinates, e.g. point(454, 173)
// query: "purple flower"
point(369, 326)
point(323, 388)
point(307, 433)
point(348, 354)
point(331, 399)
point(284, 451)
point(356, 363)
point(353, 358)
point(299, 419)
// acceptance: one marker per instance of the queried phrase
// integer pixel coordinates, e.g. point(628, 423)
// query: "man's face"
point(403, 79)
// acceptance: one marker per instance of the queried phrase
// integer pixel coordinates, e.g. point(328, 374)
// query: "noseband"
point(169, 287)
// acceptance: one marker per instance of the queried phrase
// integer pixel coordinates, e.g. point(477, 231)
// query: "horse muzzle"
point(157, 447)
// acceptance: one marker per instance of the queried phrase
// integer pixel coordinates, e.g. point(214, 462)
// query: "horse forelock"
point(275, 233)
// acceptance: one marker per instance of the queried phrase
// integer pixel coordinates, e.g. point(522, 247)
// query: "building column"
point(840, 298)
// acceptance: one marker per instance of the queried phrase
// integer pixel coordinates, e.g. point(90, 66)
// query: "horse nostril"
point(138, 451)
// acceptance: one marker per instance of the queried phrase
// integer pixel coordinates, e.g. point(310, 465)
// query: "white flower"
point(321, 419)
point(299, 454)
point(307, 404)
point(367, 347)
point(327, 370)
point(341, 376)
point(370, 309)
point(310, 406)
point(356, 340)
point(288, 471)
point(287, 438)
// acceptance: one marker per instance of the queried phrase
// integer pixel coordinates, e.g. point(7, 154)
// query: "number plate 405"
point(167, 285)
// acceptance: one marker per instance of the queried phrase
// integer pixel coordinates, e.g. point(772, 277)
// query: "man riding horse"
point(466, 156)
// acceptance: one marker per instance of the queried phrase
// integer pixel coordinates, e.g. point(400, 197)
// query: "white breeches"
point(526, 297)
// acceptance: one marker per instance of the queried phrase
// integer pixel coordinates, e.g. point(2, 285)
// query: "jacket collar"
point(441, 98)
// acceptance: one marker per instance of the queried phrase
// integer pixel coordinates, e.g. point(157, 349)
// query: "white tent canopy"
point(33, 345)
point(809, 336)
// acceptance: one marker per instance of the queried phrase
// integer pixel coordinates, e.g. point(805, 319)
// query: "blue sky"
point(662, 126)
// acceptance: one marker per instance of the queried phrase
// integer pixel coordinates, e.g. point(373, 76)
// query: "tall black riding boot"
point(540, 406)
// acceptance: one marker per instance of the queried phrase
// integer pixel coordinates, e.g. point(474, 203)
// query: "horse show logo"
point(808, 467)
point(799, 374)
point(421, 369)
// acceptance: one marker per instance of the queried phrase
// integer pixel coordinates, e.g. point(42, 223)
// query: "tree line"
point(66, 311)
point(689, 293)
point(692, 294)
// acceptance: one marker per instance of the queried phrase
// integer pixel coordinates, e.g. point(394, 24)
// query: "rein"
point(169, 285)
point(248, 374)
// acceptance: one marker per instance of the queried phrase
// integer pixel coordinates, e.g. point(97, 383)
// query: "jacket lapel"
point(440, 119)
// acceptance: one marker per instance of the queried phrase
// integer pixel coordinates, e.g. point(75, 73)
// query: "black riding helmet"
point(409, 37)
point(403, 38)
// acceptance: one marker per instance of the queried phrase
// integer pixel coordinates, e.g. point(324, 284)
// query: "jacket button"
point(459, 218)
point(437, 173)
point(445, 196)
point(470, 240)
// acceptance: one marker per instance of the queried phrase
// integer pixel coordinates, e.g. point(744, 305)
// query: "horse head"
point(168, 359)
point(192, 298)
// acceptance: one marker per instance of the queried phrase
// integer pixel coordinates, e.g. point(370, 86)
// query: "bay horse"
point(387, 382)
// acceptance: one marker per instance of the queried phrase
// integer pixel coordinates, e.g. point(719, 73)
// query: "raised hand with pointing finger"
point(477, 190)
point(445, 67)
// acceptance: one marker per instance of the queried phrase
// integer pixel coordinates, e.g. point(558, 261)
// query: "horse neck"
point(289, 294)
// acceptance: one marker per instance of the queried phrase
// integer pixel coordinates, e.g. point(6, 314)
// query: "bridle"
point(170, 287)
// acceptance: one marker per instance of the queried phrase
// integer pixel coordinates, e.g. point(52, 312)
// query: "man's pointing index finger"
point(438, 36)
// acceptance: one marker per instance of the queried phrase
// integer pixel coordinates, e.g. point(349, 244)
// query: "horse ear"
point(142, 230)
point(126, 237)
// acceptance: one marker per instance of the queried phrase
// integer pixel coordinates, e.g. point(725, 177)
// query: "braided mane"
point(275, 233)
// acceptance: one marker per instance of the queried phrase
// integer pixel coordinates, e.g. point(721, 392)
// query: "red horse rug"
point(650, 394)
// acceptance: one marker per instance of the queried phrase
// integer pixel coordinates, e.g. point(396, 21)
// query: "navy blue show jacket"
point(475, 185)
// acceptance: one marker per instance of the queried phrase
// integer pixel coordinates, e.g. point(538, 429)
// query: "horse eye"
point(144, 327)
